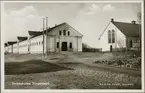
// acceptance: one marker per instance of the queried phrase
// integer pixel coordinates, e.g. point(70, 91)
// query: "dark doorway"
point(110, 48)
point(64, 46)
point(130, 43)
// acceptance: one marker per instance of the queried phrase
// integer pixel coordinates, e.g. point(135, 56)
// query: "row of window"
point(32, 44)
point(111, 36)
point(36, 43)
point(64, 33)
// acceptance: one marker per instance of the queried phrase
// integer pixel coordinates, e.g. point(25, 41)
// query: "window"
point(60, 33)
point(70, 45)
point(68, 33)
point(109, 36)
point(57, 44)
point(64, 32)
point(113, 36)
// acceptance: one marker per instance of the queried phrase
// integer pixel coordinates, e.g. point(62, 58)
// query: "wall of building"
point(23, 47)
point(15, 48)
point(36, 44)
point(135, 43)
point(120, 39)
point(10, 49)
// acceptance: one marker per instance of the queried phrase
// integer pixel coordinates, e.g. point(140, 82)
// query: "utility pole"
point(46, 36)
point(43, 34)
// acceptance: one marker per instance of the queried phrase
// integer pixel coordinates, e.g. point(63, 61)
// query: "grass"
point(82, 77)
point(68, 72)
point(32, 66)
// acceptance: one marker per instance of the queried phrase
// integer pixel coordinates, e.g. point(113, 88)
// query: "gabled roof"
point(22, 38)
point(128, 29)
point(50, 29)
point(36, 33)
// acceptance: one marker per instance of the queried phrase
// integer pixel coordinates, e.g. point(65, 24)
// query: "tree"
point(139, 22)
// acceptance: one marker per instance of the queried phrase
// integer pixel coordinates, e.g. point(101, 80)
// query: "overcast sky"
point(90, 19)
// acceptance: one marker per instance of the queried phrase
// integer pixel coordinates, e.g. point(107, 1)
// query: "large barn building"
point(120, 36)
point(61, 37)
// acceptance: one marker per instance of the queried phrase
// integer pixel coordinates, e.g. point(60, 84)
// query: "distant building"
point(120, 36)
point(61, 37)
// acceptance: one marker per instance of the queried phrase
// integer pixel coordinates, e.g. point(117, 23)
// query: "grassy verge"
point(81, 77)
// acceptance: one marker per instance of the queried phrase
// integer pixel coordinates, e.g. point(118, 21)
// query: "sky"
point(90, 19)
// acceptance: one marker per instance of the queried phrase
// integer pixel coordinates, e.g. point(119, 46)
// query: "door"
point(64, 46)
point(110, 48)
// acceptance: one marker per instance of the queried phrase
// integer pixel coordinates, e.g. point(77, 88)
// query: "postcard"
point(72, 46)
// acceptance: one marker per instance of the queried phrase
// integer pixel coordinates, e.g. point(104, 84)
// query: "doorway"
point(110, 48)
point(64, 46)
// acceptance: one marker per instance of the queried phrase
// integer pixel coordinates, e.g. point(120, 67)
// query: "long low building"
point(61, 37)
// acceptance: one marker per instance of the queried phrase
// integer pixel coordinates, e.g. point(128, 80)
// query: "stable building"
point(119, 36)
point(59, 38)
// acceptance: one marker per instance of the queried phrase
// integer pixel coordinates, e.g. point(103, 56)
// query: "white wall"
point(66, 27)
point(76, 43)
point(119, 37)
point(36, 45)
point(54, 37)
point(15, 48)
point(10, 48)
point(23, 46)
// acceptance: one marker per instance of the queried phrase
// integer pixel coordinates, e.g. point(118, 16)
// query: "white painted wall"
point(23, 47)
point(15, 48)
point(36, 45)
point(119, 37)
point(10, 49)
point(66, 27)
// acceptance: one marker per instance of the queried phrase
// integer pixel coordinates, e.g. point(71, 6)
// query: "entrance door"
point(110, 48)
point(64, 46)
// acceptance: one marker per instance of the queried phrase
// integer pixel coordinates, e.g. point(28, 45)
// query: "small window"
point(60, 33)
point(64, 32)
point(109, 36)
point(70, 45)
point(68, 33)
point(113, 36)
point(57, 44)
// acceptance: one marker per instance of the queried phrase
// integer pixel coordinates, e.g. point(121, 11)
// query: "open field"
point(67, 71)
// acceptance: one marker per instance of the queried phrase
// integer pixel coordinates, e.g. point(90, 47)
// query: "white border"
point(74, 90)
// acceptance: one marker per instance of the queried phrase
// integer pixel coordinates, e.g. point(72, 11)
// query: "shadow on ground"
point(32, 66)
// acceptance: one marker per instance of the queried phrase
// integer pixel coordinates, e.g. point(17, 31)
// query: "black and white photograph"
point(72, 45)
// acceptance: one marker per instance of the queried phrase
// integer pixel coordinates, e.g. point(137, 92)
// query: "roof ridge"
point(124, 22)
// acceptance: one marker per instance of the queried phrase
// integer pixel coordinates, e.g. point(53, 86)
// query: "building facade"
point(61, 37)
point(119, 36)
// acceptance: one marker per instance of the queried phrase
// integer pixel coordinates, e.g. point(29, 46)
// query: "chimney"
point(112, 20)
point(133, 22)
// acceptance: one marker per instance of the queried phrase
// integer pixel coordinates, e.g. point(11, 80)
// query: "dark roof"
point(6, 44)
point(12, 42)
point(50, 29)
point(22, 38)
point(36, 33)
point(128, 29)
